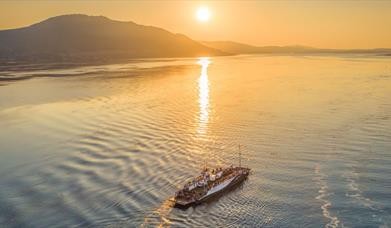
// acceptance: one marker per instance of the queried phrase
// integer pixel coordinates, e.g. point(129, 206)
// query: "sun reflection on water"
point(203, 91)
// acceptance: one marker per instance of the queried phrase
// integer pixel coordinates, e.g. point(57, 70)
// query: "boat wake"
point(357, 194)
point(323, 193)
point(159, 216)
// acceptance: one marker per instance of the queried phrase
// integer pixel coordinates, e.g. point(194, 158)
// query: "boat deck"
point(235, 175)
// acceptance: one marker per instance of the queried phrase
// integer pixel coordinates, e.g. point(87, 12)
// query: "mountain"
point(239, 48)
point(83, 38)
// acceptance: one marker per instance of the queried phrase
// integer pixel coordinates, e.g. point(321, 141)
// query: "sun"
point(203, 14)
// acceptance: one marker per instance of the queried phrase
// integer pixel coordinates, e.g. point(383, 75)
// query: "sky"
point(323, 24)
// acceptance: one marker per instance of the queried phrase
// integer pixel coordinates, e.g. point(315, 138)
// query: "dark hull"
point(238, 180)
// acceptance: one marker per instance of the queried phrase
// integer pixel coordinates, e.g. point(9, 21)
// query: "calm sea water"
point(108, 146)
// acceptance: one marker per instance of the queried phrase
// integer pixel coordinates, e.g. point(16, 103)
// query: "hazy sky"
point(328, 24)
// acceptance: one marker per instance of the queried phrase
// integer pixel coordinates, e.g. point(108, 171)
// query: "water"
point(107, 146)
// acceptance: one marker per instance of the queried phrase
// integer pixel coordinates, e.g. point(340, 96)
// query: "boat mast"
point(240, 157)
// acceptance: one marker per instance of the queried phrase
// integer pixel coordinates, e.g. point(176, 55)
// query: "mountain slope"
point(239, 48)
point(95, 37)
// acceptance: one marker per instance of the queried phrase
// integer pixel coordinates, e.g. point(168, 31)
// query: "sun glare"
point(203, 14)
point(203, 86)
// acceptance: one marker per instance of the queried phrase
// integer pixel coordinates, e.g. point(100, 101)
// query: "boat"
point(211, 183)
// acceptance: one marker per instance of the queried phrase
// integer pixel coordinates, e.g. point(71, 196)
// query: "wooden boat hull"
point(234, 183)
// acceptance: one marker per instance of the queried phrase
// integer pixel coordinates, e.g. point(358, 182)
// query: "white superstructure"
point(219, 187)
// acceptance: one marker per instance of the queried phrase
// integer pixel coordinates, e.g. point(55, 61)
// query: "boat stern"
point(183, 204)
